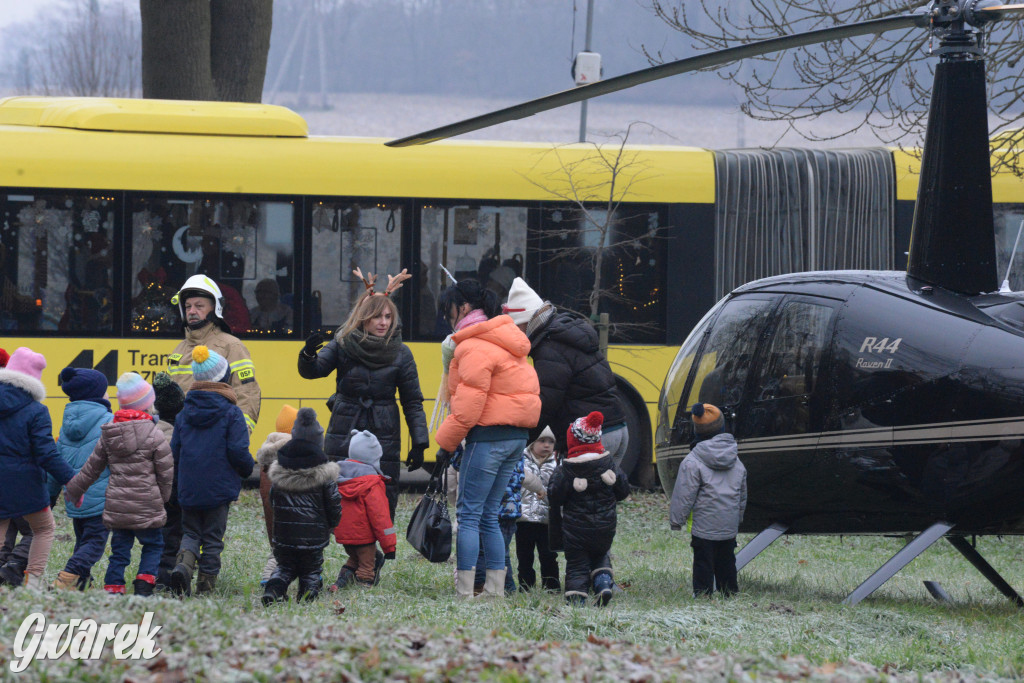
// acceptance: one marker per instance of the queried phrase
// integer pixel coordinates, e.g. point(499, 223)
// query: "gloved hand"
point(389, 556)
point(443, 458)
point(675, 527)
point(313, 343)
point(415, 459)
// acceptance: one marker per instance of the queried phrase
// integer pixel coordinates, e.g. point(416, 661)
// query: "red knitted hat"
point(4, 357)
point(584, 435)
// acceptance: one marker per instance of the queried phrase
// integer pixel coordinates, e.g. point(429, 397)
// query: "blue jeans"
point(483, 475)
point(121, 542)
point(508, 530)
point(90, 542)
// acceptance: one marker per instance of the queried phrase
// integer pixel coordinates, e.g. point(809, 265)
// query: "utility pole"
point(583, 104)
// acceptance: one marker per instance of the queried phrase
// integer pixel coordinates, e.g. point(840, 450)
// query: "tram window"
point(346, 235)
point(791, 365)
point(56, 262)
point(725, 359)
point(487, 243)
point(246, 246)
point(632, 272)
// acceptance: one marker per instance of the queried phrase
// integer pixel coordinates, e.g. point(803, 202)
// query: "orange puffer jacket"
point(491, 381)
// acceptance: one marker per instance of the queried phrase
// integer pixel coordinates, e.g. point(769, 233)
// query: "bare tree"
point(601, 225)
point(205, 49)
point(94, 52)
point(884, 80)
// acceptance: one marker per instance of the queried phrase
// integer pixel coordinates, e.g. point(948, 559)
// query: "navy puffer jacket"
point(27, 449)
point(210, 447)
point(575, 378)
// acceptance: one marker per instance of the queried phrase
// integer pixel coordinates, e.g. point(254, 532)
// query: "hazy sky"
point(12, 11)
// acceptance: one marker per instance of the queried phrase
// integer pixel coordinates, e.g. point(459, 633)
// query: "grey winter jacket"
point(713, 483)
point(535, 508)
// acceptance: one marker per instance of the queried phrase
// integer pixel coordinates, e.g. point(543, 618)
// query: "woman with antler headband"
point(371, 362)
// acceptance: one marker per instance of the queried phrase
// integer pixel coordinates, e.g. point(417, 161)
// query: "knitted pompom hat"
point(208, 365)
point(306, 428)
point(170, 399)
point(27, 362)
point(4, 357)
point(707, 419)
point(306, 447)
point(285, 419)
point(84, 384)
point(584, 435)
point(134, 393)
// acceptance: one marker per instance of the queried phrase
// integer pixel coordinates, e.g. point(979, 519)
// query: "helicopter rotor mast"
point(952, 242)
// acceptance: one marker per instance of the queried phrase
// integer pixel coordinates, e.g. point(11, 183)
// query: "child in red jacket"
point(365, 516)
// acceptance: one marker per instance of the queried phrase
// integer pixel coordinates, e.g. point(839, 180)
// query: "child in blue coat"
point(211, 455)
point(87, 412)
point(27, 455)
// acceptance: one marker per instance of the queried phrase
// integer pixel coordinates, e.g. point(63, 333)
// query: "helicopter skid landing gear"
point(979, 562)
point(758, 543)
point(898, 561)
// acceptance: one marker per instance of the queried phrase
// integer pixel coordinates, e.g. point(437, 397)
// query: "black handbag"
point(430, 529)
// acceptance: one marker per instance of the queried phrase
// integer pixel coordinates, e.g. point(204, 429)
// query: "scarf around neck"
point(372, 351)
point(472, 318)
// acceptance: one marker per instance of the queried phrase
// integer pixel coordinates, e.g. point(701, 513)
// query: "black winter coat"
point(365, 399)
point(588, 518)
point(306, 502)
point(575, 378)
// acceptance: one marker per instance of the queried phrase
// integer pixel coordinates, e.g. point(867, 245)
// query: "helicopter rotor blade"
point(680, 66)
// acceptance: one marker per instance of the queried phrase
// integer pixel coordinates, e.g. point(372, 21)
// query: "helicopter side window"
point(791, 364)
point(725, 361)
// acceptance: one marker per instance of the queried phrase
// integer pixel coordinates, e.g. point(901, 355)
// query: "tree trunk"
point(239, 44)
point(176, 50)
point(205, 49)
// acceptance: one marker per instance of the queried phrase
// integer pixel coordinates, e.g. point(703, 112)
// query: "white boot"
point(494, 584)
point(464, 583)
point(34, 582)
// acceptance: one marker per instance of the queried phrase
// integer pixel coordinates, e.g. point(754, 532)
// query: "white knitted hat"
point(523, 302)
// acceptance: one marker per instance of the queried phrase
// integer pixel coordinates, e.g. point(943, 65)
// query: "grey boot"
point(181, 575)
point(494, 584)
point(205, 583)
point(464, 583)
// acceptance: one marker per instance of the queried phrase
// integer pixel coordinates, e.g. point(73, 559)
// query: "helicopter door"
point(786, 400)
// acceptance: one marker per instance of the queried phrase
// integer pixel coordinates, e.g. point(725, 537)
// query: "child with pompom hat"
point(169, 400)
point(81, 426)
point(265, 457)
point(583, 493)
point(211, 454)
point(27, 454)
point(307, 506)
point(712, 484)
point(141, 474)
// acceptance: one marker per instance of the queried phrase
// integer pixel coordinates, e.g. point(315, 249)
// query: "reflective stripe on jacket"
point(243, 371)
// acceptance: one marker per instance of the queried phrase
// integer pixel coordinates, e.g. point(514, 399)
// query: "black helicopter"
point(867, 402)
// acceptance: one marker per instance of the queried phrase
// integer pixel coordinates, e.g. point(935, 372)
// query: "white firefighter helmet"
point(199, 285)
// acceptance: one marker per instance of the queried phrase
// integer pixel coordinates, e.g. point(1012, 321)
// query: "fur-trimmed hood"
point(30, 385)
point(304, 479)
point(267, 454)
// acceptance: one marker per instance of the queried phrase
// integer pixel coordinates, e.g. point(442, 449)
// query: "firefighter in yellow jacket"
point(201, 304)
point(202, 314)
